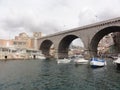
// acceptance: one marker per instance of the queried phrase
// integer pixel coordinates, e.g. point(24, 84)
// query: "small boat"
point(63, 61)
point(41, 57)
point(80, 60)
point(97, 62)
point(117, 62)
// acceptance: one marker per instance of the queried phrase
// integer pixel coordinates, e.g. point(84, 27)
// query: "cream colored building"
point(22, 41)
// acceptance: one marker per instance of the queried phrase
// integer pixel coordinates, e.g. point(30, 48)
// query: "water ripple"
point(48, 75)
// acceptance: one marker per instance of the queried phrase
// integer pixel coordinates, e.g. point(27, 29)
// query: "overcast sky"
point(51, 16)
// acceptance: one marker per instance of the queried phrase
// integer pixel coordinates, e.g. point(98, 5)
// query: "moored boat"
point(80, 61)
point(40, 57)
point(97, 62)
point(117, 62)
point(64, 61)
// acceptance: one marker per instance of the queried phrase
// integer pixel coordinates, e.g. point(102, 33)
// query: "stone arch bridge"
point(89, 34)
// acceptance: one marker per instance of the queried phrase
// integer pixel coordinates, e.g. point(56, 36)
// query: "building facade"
point(22, 41)
point(15, 48)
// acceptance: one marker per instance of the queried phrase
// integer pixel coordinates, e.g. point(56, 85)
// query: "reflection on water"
point(48, 75)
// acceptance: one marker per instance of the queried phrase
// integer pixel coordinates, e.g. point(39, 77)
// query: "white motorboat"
point(80, 61)
point(97, 62)
point(117, 62)
point(63, 61)
point(40, 57)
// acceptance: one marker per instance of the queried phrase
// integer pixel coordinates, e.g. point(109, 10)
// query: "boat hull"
point(117, 63)
point(81, 61)
point(97, 62)
point(63, 61)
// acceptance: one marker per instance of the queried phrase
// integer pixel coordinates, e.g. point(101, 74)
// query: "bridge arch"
point(45, 47)
point(99, 35)
point(63, 46)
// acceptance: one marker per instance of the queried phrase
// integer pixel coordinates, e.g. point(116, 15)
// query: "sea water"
point(48, 75)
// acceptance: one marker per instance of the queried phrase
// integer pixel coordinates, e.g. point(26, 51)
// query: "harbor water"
point(48, 75)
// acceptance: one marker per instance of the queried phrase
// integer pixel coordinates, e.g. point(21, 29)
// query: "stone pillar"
point(56, 53)
point(35, 43)
point(116, 38)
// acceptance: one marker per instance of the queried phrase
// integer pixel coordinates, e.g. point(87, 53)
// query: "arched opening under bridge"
point(46, 47)
point(70, 45)
point(99, 36)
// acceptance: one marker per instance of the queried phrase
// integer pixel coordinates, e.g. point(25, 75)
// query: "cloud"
point(97, 11)
point(78, 42)
point(87, 16)
point(51, 16)
point(108, 14)
point(23, 24)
